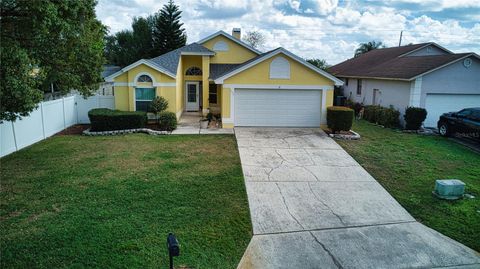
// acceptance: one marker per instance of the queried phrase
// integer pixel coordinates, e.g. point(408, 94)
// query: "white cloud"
point(305, 30)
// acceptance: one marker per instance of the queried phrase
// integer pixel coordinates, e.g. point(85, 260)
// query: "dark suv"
point(465, 122)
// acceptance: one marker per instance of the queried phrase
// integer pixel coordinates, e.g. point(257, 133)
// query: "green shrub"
point(104, 119)
point(388, 117)
point(414, 116)
point(370, 113)
point(339, 118)
point(168, 121)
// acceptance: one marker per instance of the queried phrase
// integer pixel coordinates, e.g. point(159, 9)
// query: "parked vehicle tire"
point(444, 130)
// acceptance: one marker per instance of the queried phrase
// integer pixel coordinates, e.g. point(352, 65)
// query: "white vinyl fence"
point(48, 119)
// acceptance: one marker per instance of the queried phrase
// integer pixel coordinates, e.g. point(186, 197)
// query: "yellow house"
point(222, 74)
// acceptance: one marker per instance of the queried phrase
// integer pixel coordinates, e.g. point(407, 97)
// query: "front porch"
point(189, 123)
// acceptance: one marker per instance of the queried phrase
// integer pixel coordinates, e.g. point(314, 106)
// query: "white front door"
point(191, 96)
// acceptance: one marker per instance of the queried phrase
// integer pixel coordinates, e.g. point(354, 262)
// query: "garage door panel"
point(273, 107)
point(437, 104)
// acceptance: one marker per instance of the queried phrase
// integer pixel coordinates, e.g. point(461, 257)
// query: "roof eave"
point(137, 63)
point(197, 53)
point(236, 40)
point(337, 82)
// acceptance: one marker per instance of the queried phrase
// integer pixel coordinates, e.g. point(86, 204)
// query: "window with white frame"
point(280, 68)
point(193, 71)
point(143, 98)
point(359, 87)
point(144, 78)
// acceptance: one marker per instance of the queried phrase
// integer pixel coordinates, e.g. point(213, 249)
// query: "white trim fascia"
point(197, 53)
point(144, 73)
point(236, 40)
point(415, 92)
point(447, 64)
point(323, 112)
point(135, 64)
point(426, 45)
point(380, 78)
point(278, 86)
point(337, 81)
point(131, 84)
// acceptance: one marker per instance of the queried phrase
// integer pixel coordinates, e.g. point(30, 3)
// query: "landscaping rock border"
point(128, 131)
point(353, 136)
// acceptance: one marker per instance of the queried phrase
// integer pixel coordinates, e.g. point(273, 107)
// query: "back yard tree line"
point(61, 45)
point(150, 37)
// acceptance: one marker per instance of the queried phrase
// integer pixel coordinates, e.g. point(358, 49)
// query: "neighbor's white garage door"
point(437, 104)
point(283, 108)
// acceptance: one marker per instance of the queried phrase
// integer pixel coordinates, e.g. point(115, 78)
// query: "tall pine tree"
point(168, 33)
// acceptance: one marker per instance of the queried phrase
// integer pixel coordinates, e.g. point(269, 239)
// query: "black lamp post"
point(173, 248)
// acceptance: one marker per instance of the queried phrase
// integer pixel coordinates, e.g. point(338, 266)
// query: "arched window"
point(280, 68)
point(144, 78)
point(220, 46)
point(193, 71)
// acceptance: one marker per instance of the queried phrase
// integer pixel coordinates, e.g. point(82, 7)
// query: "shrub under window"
point(168, 121)
point(104, 119)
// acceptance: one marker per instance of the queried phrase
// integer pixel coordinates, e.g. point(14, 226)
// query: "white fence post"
point(63, 110)
point(14, 136)
point(43, 120)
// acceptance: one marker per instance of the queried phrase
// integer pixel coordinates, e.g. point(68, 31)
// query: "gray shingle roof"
point(218, 70)
point(109, 69)
point(169, 60)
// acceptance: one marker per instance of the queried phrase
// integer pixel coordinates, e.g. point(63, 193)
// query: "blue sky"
point(327, 29)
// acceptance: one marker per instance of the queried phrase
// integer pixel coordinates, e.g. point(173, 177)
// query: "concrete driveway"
point(313, 206)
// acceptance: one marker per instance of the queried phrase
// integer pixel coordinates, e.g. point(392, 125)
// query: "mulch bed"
point(74, 130)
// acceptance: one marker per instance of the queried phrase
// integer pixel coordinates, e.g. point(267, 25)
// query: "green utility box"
point(450, 189)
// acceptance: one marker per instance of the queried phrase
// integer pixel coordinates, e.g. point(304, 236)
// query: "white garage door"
point(437, 104)
point(283, 108)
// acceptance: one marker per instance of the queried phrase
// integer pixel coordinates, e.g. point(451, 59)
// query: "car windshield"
point(464, 112)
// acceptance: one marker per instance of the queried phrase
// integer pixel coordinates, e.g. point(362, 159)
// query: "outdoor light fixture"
point(173, 248)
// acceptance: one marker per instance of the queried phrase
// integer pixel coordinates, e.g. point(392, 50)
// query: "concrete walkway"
point(189, 124)
point(314, 206)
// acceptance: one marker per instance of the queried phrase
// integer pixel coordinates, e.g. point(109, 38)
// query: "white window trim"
point(135, 96)
point(142, 74)
point(280, 68)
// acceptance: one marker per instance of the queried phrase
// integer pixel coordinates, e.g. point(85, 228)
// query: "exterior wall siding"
point(452, 79)
point(125, 94)
point(430, 50)
point(260, 75)
point(235, 53)
point(391, 92)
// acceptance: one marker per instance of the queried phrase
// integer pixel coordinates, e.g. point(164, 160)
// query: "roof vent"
point(467, 62)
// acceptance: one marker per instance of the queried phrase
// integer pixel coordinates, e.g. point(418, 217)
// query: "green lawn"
point(109, 202)
point(407, 166)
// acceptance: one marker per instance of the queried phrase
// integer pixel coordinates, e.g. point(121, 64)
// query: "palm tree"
point(366, 47)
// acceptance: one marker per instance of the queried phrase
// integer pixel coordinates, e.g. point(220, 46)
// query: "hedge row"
point(388, 117)
point(104, 119)
point(414, 116)
point(339, 118)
